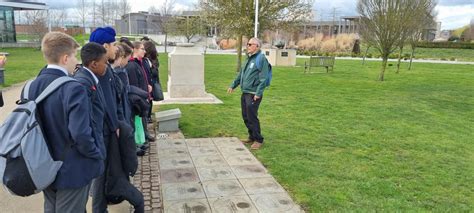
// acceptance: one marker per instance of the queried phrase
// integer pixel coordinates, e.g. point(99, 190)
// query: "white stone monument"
point(186, 77)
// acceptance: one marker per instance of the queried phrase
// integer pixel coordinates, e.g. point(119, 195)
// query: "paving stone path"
point(216, 175)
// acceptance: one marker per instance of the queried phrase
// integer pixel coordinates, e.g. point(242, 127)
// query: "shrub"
point(452, 45)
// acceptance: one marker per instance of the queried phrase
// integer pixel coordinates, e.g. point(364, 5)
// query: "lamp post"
point(256, 18)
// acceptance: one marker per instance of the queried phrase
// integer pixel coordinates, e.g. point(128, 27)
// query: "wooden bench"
point(319, 61)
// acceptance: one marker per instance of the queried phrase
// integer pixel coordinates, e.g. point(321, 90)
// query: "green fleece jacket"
point(252, 78)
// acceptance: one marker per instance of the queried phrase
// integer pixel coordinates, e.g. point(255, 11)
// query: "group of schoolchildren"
point(91, 123)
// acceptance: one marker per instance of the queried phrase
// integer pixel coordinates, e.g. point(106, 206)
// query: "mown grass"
point(345, 142)
point(22, 64)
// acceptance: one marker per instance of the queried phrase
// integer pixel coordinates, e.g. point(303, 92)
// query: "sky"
point(452, 13)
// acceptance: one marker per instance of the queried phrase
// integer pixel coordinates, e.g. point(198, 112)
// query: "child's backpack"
point(26, 165)
point(259, 66)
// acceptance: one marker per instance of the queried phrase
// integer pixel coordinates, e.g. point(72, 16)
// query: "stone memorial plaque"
point(176, 162)
point(239, 204)
point(209, 161)
point(235, 149)
point(223, 188)
point(166, 153)
point(179, 175)
point(226, 141)
point(242, 159)
point(250, 171)
point(170, 144)
point(261, 186)
point(199, 142)
point(203, 150)
point(183, 191)
point(187, 206)
point(216, 173)
point(280, 202)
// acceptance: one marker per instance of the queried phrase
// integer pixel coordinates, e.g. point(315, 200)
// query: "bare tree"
point(427, 18)
point(124, 7)
point(57, 17)
point(37, 21)
point(383, 25)
point(189, 27)
point(166, 11)
point(83, 13)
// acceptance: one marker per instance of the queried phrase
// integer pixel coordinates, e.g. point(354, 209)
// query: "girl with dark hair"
point(151, 58)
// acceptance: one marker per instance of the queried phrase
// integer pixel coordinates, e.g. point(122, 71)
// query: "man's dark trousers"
point(250, 116)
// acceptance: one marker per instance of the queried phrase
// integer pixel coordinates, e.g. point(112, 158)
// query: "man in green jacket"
point(252, 81)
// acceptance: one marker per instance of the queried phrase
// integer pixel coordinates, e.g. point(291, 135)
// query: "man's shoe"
point(150, 138)
point(248, 140)
point(256, 146)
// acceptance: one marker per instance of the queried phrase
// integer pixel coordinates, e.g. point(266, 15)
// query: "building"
point(139, 23)
point(7, 17)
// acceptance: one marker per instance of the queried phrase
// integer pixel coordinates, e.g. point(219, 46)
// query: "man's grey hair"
point(258, 41)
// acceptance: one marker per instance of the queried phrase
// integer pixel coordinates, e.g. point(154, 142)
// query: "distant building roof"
point(190, 13)
point(24, 5)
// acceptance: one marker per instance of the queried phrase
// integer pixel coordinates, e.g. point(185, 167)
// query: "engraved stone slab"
point(280, 202)
point(199, 142)
point(235, 149)
point(238, 204)
point(176, 162)
point(166, 153)
point(203, 150)
point(223, 188)
point(209, 161)
point(261, 186)
point(226, 141)
point(179, 175)
point(170, 144)
point(183, 191)
point(216, 173)
point(246, 159)
point(187, 206)
point(250, 171)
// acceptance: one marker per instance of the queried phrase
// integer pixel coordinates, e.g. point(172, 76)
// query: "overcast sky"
point(452, 13)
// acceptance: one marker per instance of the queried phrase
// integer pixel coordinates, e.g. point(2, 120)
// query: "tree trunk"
point(384, 65)
point(239, 52)
point(363, 59)
point(411, 57)
point(399, 59)
point(166, 42)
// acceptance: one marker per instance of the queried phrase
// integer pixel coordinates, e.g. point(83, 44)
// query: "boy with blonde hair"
point(66, 129)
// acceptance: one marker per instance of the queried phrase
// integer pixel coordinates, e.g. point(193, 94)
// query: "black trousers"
point(250, 116)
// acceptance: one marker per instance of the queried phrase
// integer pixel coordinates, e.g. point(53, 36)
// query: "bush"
point(452, 45)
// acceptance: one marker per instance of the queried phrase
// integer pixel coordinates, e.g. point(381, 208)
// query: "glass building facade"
point(7, 25)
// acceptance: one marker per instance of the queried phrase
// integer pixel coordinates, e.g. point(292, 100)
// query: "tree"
point(37, 20)
point(236, 18)
point(427, 15)
point(188, 26)
point(383, 24)
point(166, 11)
point(57, 17)
point(83, 13)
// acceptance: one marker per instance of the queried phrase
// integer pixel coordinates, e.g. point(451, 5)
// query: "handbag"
point(157, 92)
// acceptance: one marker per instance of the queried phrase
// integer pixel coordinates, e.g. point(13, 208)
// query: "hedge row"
point(452, 45)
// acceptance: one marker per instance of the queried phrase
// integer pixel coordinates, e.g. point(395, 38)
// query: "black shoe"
point(144, 147)
point(149, 120)
point(140, 152)
point(149, 138)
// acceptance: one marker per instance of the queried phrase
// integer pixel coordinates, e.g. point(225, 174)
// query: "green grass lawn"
point(22, 64)
point(345, 142)
point(432, 53)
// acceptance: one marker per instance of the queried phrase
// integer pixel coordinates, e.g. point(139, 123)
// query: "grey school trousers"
point(66, 200)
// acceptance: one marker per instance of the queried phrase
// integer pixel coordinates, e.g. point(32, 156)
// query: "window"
point(7, 25)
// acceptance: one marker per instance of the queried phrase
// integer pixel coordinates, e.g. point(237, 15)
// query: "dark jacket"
point(96, 97)
point(124, 104)
point(107, 82)
point(63, 122)
point(138, 101)
point(122, 163)
point(250, 78)
point(136, 74)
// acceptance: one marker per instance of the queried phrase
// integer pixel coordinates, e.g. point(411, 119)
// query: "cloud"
point(452, 20)
point(455, 2)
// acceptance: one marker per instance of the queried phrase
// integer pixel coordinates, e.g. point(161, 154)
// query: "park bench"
point(319, 61)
